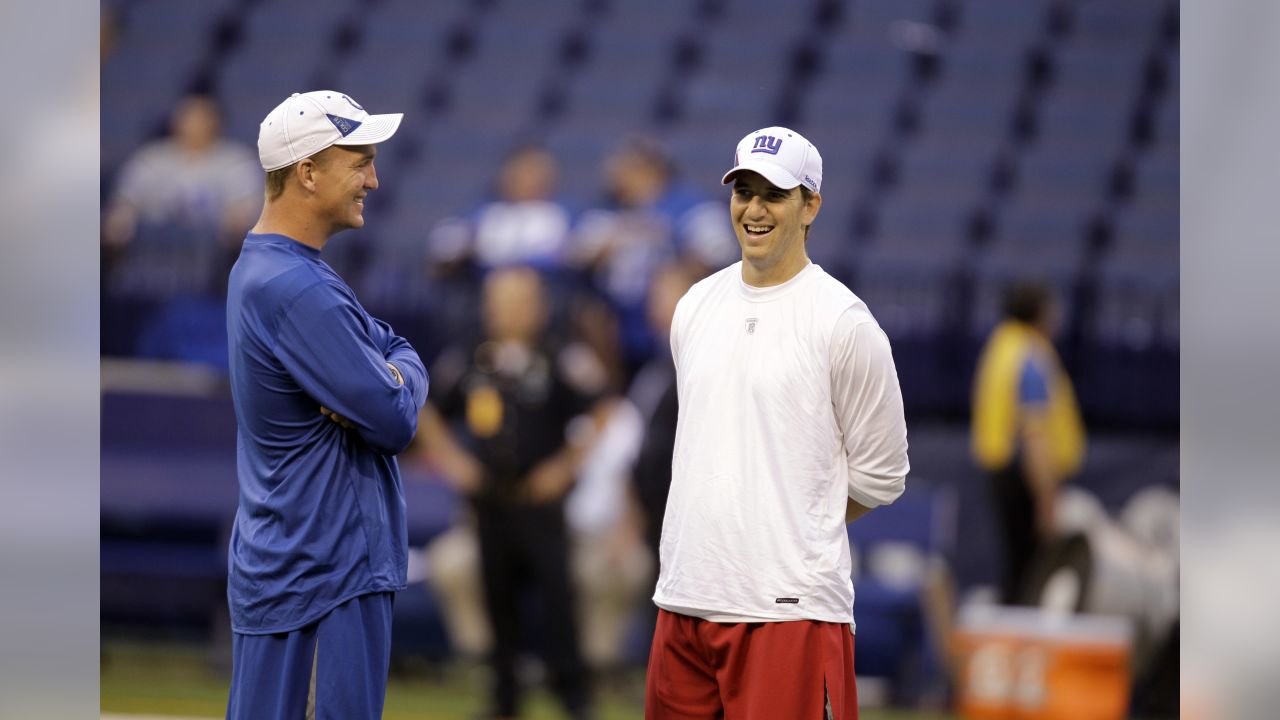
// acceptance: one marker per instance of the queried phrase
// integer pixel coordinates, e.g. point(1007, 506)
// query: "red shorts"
point(796, 670)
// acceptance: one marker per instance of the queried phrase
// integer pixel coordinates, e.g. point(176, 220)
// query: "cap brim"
point(374, 129)
point(774, 174)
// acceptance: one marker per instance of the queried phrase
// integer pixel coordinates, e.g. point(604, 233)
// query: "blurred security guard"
point(521, 413)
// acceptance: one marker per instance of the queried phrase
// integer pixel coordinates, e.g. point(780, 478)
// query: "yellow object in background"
point(484, 411)
point(995, 400)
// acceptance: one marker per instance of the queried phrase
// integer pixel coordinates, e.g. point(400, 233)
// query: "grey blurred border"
point(1230, 389)
point(49, 361)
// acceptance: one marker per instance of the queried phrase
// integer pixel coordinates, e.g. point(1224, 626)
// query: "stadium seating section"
point(966, 142)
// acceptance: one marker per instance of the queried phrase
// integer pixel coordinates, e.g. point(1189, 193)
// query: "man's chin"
point(352, 223)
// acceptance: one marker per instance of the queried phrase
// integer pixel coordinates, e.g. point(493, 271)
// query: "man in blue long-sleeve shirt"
point(325, 396)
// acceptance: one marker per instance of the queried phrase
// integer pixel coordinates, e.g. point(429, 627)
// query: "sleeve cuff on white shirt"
point(872, 492)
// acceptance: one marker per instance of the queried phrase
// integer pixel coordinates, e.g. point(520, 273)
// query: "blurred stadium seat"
point(1103, 23)
point(996, 23)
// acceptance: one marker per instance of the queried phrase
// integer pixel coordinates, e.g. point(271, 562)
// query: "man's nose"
point(371, 178)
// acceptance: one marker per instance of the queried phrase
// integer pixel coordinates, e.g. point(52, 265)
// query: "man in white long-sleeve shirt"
point(790, 426)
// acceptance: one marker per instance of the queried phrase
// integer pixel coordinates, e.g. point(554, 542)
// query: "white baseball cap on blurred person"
point(306, 123)
point(781, 155)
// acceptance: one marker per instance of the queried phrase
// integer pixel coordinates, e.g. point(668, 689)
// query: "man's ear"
point(810, 211)
point(305, 173)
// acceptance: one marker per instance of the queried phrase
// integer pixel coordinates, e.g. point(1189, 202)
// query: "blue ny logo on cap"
point(767, 144)
point(344, 125)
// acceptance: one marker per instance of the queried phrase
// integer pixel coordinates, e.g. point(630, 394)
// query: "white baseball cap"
point(781, 155)
point(306, 123)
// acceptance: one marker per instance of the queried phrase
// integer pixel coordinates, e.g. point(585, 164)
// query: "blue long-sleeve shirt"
point(322, 514)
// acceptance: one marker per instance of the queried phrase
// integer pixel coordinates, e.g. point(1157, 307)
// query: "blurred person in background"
point(1026, 431)
point(325, 397)
point(653, 392)
point(790, 426)
point(170, 231)
point(514, 419)
point(650, 219)
point(192, 179)
point(523, 224)
point(611, 567)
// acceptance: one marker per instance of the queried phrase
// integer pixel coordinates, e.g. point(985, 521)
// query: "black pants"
point(527, 547)
point(1016, 511)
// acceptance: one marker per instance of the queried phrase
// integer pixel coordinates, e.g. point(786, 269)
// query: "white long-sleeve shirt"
point(789, 404)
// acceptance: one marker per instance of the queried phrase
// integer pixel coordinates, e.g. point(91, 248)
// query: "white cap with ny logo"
point(781, 155)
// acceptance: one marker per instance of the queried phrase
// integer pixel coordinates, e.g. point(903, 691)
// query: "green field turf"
point(179, 682)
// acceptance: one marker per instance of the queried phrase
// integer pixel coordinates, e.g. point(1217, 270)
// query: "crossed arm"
point(362, 375)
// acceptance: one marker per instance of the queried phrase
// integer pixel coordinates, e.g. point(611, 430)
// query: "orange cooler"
point(1030, 664)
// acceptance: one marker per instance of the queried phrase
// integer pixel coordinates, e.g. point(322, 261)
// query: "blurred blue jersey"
point(322, 513)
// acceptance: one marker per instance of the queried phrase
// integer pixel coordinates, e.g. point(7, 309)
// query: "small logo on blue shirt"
point(345, 126)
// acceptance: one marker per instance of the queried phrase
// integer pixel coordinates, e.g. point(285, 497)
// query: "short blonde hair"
point(277, 178)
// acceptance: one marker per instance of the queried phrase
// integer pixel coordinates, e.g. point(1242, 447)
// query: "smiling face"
point(770, 224)
point(344, 175)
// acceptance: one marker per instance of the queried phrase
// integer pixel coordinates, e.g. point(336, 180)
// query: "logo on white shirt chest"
point(751, 325)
